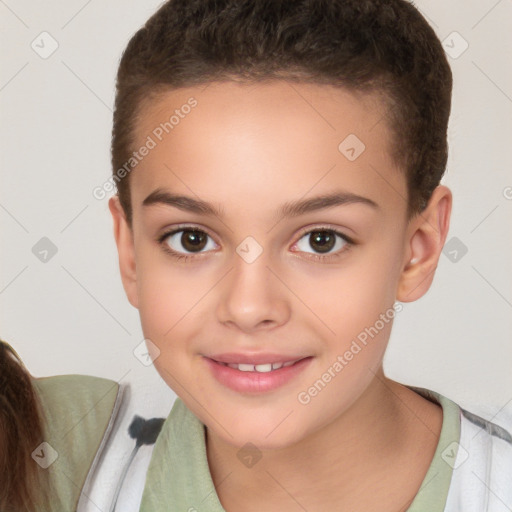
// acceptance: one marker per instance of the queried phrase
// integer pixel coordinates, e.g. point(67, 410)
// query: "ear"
point(426, 235)
point(123, 235)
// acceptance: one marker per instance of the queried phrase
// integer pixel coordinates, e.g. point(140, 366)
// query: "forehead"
point(228, 141)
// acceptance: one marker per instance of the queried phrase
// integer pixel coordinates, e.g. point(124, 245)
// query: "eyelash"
point(185, 257)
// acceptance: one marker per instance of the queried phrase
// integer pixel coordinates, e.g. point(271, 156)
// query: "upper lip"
point(257, 358)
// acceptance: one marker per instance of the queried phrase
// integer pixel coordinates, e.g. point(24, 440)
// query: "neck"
point(375, 454)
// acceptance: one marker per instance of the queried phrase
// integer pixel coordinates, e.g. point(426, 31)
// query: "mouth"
point(256, 376)
point(262, 368)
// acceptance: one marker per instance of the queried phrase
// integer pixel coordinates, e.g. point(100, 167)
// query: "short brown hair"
point(383, 46)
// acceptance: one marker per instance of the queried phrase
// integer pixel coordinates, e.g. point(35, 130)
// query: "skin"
point(364, 442)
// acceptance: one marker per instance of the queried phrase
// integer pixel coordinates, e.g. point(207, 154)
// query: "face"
point(269, 226)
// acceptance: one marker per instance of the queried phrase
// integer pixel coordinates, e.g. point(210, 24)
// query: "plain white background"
point(70, 315)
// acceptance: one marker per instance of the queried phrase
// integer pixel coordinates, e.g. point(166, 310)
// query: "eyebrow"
point(290, 209)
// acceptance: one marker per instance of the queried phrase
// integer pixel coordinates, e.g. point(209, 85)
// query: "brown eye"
point(323, 241)
point(185, 241)
point(193, 240)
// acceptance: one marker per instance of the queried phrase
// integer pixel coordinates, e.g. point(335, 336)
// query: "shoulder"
point(472, 466)
point(78, 413)
point(70, 394)
point(482, 470)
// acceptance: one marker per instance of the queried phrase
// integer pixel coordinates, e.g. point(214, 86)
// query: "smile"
point(256, 378)
point(263, 368)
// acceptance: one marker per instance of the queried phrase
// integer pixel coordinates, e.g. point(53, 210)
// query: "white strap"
point(482, 474)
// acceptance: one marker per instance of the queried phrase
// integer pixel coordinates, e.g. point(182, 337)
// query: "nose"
point(253, 298)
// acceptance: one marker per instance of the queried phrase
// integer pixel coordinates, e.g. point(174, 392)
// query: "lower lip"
point(255, 382)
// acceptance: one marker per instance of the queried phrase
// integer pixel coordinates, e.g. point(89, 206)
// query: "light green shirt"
point(79, 412)
point(179, 478)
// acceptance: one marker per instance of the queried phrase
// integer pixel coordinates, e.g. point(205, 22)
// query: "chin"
point(265, 434)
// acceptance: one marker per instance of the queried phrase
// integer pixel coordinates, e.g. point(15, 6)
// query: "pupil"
point(323, 239)
point(192, 240)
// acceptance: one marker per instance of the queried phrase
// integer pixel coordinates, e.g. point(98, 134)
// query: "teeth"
point(262, 368)
point(246, 367)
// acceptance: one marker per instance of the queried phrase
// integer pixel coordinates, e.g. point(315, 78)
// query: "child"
point(278, 167)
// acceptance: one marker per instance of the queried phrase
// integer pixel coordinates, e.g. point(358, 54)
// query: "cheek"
point(168, 301)
point(346, 298)
point(160, 304)
point(168, 296)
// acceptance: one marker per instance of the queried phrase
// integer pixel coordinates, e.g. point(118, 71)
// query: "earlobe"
point(425, 240)
point(123, 236)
